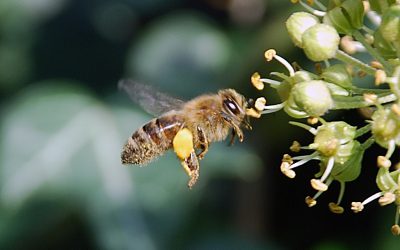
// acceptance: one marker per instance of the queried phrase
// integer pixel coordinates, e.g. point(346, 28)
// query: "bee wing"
point(150, 99)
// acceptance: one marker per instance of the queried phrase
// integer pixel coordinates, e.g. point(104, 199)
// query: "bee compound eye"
point(231, 106)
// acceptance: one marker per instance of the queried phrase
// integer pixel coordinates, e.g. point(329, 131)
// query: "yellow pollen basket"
point(183, 143)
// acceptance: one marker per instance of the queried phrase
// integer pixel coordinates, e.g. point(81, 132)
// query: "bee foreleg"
point(235, 127)
point(203, 142)
point(192, 168)
point(232, 140)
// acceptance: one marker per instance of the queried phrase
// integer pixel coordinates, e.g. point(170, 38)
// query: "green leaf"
point(354, 10)
point(347, 17)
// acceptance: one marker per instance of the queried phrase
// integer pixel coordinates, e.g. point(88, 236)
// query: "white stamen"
point(306, 159)
point(273, 108)
point(286, 64)
point(270, 81)
point(306, 127)
point(372, 197)
point(328, 169)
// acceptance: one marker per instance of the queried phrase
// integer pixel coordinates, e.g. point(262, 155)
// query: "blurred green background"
point(63, 124)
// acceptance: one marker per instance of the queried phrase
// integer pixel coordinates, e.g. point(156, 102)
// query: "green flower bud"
point(302, 76)
point(390, 26)
point(286, 86)
point(299, 22)
point(313, 97)
point(346, 17)
point(326, 143)
point(385, 127)
point(320, 42)
point(335, 139)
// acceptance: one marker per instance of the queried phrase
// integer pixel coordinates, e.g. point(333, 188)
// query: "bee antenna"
point(250, 102)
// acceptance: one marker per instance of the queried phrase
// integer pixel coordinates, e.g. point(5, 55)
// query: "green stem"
point(353, 102)
point(280, 75)
point(305, 126)
point(342, 56)
point(363, 130)
point(368, 143)
point(361, 91)
point(320, 5)
point(368, 30)
point(310, 9)
point(359, 37)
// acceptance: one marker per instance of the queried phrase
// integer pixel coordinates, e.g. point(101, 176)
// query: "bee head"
point(234, 105)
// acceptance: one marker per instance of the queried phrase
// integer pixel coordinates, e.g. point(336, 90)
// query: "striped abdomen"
point(151, 140)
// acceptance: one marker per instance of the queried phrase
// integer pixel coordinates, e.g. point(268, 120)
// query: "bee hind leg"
point(192, 168)
point(203, 143)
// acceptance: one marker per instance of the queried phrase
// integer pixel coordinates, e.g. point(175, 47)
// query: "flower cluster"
point(338, 32)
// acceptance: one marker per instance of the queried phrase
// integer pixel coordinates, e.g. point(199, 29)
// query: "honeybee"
point(187, 127)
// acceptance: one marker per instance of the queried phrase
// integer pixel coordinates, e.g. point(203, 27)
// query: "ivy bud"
point(320, 42)
point(325, 142)
point(336, 139)
point(302, 76)
point(332, 136)
point(313, 97)
point(390, 26)
point(297, 23)
point(385, 127)
point(286, 86)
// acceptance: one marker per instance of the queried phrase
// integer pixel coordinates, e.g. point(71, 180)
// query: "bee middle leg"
point(203, 143)
point(192, 168)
